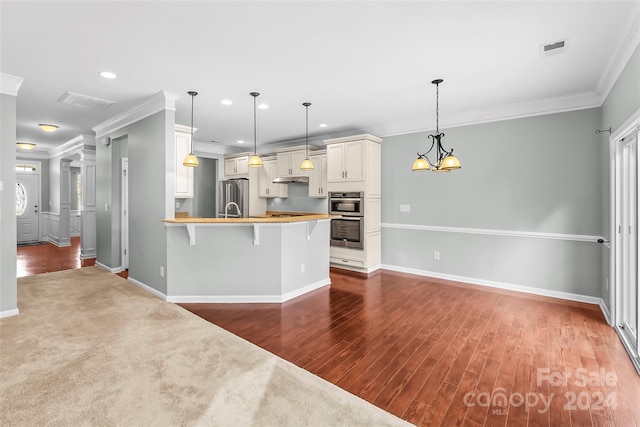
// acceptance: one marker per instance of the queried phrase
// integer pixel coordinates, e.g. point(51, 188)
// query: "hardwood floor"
point(49, 257)
point(440, 353)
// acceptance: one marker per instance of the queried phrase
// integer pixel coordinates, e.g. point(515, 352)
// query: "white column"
point(88, 208)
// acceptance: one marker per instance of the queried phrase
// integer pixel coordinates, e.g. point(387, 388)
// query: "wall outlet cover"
point(405, 208)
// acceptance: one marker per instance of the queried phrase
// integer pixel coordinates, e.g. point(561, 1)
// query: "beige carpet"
point(89, 348)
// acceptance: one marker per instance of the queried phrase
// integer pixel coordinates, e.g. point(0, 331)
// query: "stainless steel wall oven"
point(347, 231)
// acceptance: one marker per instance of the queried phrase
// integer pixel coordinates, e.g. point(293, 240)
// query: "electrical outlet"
point(436, 255)
point(161, 271)
point(405, 208)
point(302, 268)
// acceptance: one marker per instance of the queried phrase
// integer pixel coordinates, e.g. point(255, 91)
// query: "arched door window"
point(21, 199)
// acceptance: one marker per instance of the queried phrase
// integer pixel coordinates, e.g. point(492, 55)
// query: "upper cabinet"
point(289, 160)
point(266, 188)
point(184, 174)
point(354, 164)
point(318, 176)
point(236, 166)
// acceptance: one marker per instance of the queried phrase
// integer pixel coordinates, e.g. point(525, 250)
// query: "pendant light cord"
point(192, 96)
point(255, 131)
point(306, 108)
point(437, 108)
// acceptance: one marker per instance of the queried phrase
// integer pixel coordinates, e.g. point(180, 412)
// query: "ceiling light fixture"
point(26, 145)
point(322, 125)
point(191, 160)
point(444, 160)
point(226, 102)
point(307, 164)
point(240, 141)
point(48, 128)
point(263, 106)
point(108, 75)
point(255, 161)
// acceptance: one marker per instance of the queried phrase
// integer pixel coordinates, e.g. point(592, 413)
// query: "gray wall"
point(621, 103)
point(298, 201)
point(8, 286)
point(151, 156)
point(537, 174)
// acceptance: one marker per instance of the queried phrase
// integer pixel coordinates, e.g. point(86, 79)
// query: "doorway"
point(626, 291)
point(124, 238)
point(28, 203)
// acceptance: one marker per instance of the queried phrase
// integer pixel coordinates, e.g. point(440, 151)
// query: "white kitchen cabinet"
point(346, 161)
point(184, 174)
point(288, 163)
point(266, 174)
point(236, 167)
point(318, 176)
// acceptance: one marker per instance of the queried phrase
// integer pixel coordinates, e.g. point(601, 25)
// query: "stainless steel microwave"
point(346, 204)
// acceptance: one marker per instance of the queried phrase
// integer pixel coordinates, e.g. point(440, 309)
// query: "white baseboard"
point(356, 269)
point(605, 312)
point(306, 289)
point(9, 313)
point(149, 289)
point(500, 285)
point(230, 299)
point(109, 269)
point(59, 244)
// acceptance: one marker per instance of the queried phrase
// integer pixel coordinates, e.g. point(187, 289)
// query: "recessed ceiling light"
point(26, 145)
point(240, 141)
point(48, 128)
point(263, 106)
point(226, 102)
point(322, 125)
point(108, 75)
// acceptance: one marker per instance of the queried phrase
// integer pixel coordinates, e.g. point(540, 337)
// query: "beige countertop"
point(269, 217)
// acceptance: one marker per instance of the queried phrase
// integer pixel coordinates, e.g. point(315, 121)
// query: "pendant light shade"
point(445, 161)
point(255, 161)
point(191, 160)
point(307, 165)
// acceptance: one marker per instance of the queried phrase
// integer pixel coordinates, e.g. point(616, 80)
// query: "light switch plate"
point(405, 208)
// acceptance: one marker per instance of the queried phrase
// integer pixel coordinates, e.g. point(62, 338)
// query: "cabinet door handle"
point(346, 174)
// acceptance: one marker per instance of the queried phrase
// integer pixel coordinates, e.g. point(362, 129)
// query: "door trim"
point(124, 222)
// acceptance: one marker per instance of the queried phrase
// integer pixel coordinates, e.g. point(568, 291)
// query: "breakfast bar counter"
point(264, 259)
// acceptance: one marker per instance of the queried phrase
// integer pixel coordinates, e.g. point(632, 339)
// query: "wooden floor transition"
point(49, 257)
point(440, 353)
point(434, 352)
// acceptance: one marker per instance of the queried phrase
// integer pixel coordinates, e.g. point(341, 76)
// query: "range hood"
point(289, 179)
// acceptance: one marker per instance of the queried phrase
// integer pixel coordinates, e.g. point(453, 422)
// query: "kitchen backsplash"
point(298, 201)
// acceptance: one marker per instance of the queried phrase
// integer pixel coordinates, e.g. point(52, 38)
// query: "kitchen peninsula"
point(270, 258)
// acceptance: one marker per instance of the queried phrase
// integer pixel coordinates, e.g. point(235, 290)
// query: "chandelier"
point(444, 160)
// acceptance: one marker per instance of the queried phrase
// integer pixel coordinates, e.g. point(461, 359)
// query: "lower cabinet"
point(266, 174)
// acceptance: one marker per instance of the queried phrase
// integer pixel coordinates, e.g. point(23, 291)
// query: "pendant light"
point(191, 160)
point(307, 164)
point(445, 161)
point(255, 161)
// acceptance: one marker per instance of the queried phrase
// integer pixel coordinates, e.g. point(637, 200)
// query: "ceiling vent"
point(84, 101)
point(554, 48)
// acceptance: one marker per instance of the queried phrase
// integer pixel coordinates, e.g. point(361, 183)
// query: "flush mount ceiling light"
point(322, 125)
point(445, 161)
point(191, 160)
point(26, 145)
point(107, 74)
point(240, 141)
point(255, 161)
point(307, 164)
point(263, 106)
point(226, 102)
point(48, 128)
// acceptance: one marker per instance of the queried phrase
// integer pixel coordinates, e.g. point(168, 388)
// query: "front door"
point(27, 200)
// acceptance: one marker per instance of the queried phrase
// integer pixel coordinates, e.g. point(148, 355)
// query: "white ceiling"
point(364, 66)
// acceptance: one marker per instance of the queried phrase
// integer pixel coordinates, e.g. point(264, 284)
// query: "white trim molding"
point(493, 232)
point(149, 289)
point(499, 285)
point(109, 269)
point(74, 144)
point(160, 101)
point(9, 313)
point(239, 299)
point(9, 85)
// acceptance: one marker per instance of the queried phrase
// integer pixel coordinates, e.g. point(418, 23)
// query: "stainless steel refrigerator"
point(233, 198)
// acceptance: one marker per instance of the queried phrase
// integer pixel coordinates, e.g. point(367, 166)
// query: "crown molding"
point(160, 101)
point(620, 60)
point(9, 84)
point(74, 144)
